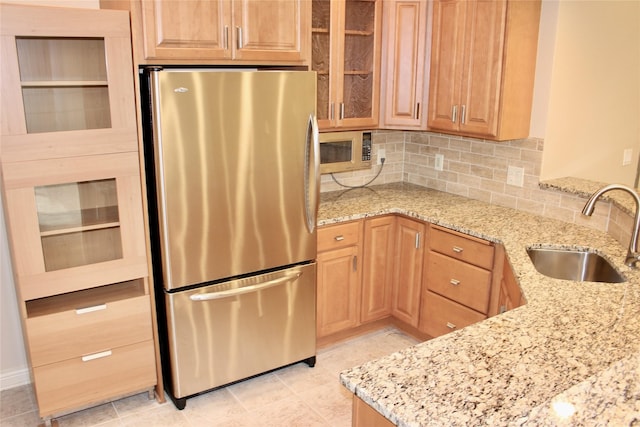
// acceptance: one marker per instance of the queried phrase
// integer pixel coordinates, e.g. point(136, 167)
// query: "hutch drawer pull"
point(91, 309)
point(454, 282)
point(457, 249)
point(96, 356)
point(451, 325)
point(339, 238)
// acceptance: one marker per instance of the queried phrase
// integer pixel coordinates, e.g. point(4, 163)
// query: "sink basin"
point(577, 265)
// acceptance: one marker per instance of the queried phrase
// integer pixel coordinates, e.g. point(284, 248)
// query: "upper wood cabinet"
point(404, 83)
point(207, 31)
point(483, 66)
point(346, 46)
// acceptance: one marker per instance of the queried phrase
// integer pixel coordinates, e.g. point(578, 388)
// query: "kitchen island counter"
point(573, 346)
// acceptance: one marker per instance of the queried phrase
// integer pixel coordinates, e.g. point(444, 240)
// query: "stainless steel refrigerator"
point(233, 186)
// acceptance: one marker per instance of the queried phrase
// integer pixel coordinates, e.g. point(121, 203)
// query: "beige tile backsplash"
point(477, 169)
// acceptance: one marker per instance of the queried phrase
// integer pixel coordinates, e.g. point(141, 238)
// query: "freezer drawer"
point(230, 331)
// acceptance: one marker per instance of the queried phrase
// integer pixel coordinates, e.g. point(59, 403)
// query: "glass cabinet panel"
point(321, 50)
point(64, 83)
point(79, 223)
point(359, 45)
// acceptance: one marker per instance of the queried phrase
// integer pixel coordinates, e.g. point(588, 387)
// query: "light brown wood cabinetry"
point(74, 211)
point(510, 296)
point(405, 64)
point(408, 262)
point(339, 277)
point(457, 281)
point(483, 58)
point(226, 30)
point(377, 272)
point(346, 45)
point(364, 415)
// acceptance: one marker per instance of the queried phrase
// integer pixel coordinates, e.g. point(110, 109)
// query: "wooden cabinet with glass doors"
point(345, 48)
point(73, 202)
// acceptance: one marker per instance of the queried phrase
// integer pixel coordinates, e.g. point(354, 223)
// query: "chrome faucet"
point(632, 253)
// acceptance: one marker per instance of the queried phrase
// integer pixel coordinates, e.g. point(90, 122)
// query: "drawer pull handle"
point(454, 282)
point(96, 356)
point(451, 325)
point(457, 249)
point(339, 238)
point(91, 309)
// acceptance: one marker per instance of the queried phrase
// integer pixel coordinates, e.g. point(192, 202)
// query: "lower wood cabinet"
point(364, 415)
point(428, 279)
point(339, 278)
point(377, 267)
point(408, 261)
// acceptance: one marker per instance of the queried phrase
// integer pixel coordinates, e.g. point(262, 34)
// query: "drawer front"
point(338, 236)
point(74, 383)
point(68, 334)
point(464, 283)
point(440, 315)
point(473, 251)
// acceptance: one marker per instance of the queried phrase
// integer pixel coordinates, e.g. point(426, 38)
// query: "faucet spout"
point(633, 256)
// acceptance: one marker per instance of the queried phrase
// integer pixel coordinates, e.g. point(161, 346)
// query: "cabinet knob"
point(451, 325)
point(339, 238)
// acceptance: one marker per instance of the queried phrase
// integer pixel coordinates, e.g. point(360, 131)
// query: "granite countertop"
point(573, 345)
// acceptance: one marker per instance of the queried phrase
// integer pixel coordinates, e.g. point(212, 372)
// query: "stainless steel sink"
point(578, 265)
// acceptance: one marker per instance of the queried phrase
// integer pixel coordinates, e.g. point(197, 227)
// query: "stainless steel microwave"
point(345, 151)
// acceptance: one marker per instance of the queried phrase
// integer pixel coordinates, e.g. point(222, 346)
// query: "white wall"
point(594, 98)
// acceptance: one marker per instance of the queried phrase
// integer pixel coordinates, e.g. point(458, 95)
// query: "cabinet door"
point(80, 223)
point(409, 250)
point(446, 62)
point(338, 290)
point(377, 268)
point(271, 30)
point(186, 29)
point(482, 67)
point(346, 47)
point(403, 91)
point(67, 90)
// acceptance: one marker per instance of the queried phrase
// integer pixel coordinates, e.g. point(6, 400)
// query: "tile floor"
point(292, 396)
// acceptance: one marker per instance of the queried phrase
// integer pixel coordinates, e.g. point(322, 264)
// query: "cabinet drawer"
point(71, 333)
point(440, 315)
point(76, 382)
point(459, 281)
point(468, 249)
point(338, 236)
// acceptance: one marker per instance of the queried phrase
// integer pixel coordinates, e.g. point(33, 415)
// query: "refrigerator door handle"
point(246, 289)
point(312, 173)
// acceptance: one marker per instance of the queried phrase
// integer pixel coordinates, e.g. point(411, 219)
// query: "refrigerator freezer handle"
point(312, 173)
point(246, 289)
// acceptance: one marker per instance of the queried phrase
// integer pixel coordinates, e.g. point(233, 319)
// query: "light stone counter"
point(572, 343)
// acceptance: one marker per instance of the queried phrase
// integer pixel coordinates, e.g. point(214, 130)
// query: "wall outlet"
point(515, 176)
point(381, 155)
point(439, 162)
point(627, 154)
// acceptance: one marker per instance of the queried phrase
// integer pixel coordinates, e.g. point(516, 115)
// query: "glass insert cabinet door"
point(78, 87)
point(80, 230)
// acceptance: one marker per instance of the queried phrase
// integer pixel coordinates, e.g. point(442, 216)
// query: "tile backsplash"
point(477, 169)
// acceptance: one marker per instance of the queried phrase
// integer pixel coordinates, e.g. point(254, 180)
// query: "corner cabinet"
point(483, 58)
point(205, 31)
point(345, 46)
point(405, 52)
point(74, 211)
